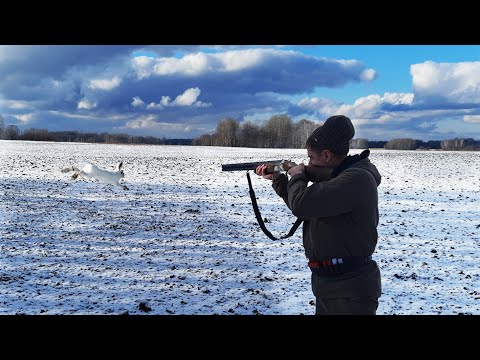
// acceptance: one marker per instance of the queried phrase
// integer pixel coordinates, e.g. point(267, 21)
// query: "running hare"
point(90, 171)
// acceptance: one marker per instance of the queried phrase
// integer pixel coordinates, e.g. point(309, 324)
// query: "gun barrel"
point(247, 165)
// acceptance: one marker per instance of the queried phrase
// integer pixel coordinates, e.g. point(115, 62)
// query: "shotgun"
point(314, 173)
point(272, 166)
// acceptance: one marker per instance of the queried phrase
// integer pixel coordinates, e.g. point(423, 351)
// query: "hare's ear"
point(120, 164)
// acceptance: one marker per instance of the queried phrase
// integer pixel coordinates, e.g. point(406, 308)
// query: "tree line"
point(280, 131)
point(451, 144)
point(12, 132)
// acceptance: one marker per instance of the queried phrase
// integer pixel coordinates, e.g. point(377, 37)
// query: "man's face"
point(318, 158)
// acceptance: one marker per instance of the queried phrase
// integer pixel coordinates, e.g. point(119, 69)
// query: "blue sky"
point(428, 92)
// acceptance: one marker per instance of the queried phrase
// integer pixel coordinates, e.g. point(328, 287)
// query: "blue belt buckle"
point(340, 262)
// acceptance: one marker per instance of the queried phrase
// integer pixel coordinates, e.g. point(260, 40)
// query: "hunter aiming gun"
point(313, 173)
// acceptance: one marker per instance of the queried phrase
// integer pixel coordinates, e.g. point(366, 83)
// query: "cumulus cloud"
point(86, 104)
point(25, 118)
point(448, 82)
point(368, 75)
point(153, 106)
point(165, 100)
point(105, 84)
point(187, 98)
point(148, 122)
point(316, 105)
point(137, 102)
point(364, 107)
point(153, 125)
point(143, 66)
point(254, 70)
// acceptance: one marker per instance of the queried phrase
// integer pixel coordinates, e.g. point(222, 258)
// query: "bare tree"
point(227, 132)
point(301, 131)
point(360, 143)
point(11, 132)
point(460, 144)
point(205, 140)
point(250, 135)
point(279, 131)
point(2, 126)
point(402, 144)
point(37, 135)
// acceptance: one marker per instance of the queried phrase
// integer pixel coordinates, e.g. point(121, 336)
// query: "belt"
point(338, 265)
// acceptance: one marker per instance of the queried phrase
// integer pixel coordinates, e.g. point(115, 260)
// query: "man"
point(340, 220)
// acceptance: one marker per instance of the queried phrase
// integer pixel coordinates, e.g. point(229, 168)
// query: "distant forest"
point(12, 132)
point(280, 131)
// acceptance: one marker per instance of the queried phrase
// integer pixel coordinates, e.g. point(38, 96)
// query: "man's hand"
point(261, 170)
point(298, 169)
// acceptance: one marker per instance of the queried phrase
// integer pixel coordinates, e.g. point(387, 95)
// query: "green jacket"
point(340, 219)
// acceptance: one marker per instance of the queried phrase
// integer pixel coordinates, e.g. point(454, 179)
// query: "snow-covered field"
point(184, 239)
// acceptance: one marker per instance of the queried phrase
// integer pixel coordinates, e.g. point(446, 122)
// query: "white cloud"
point(114, 117)
point(152, 123)
point(105, 84)
point(398, 98)
point(455, 82)
point(322, 105)
point(385, 118)
point(143, 66)
point(362, 107)
point(16, 105)
point(368, 75)
point(165, 100)
point(137, 102)
point(188, 98)
point(142, 122)
point(191, 64)
point(154, 106)
point(426, 124)
point(202, 104)
point(239, 60)
point(475, 119)
point(200, 63)
point(86, 104)
point(25, 118)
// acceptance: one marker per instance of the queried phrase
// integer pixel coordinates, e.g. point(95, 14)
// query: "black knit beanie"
point(334, 135)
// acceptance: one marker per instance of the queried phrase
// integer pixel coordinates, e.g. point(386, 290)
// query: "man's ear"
point(327, 154)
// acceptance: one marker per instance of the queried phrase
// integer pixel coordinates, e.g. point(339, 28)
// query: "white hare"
point(90, 171)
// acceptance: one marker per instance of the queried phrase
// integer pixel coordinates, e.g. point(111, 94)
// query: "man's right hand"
point(261, 170)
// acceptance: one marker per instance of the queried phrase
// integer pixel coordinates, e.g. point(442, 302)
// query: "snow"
point(184, 239)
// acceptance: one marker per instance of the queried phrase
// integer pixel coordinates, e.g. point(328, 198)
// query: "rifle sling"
point(259, 217)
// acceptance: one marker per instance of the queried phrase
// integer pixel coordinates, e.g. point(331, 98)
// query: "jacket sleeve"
point(280, 187)
point(327, 198)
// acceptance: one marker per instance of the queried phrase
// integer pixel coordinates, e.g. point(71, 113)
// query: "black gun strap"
point(259, 217)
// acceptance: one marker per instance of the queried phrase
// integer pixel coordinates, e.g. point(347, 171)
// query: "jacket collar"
point(349, 161)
